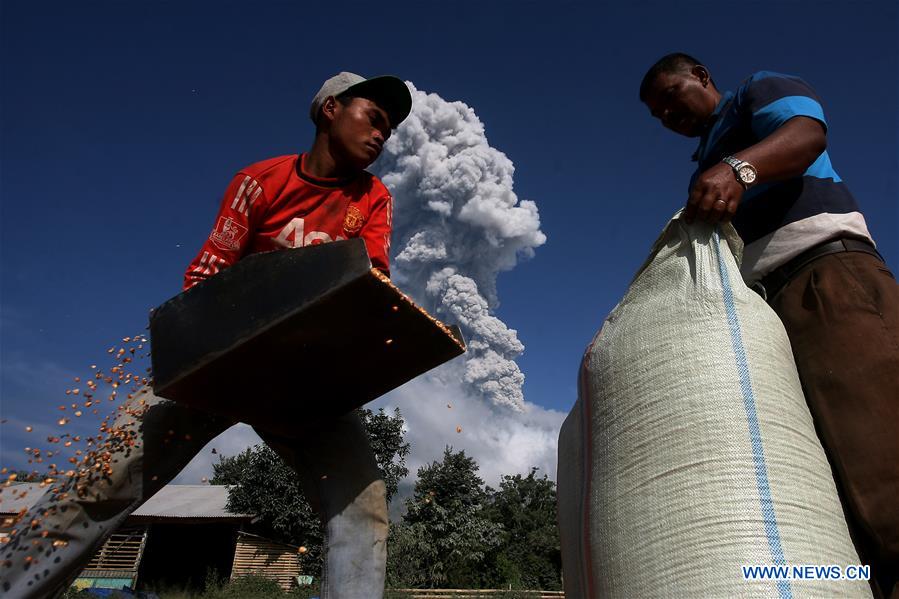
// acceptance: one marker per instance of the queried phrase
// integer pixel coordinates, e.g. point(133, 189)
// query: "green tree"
point(445, 534)
point(385, 433)
point(25, 476)
point(530, 555)
point(261, 483)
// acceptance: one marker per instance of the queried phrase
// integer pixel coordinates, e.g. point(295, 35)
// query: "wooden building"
point(173, 541)
point(261, 556)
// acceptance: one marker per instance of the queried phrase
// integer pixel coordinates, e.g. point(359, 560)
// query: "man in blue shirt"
point(763, 164)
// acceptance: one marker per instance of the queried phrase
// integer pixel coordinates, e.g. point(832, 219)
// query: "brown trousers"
point(841, 313)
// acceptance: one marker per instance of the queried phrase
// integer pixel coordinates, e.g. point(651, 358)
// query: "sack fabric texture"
point(691, 452)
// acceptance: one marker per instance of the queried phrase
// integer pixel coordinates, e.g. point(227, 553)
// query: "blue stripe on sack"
point(755, 434)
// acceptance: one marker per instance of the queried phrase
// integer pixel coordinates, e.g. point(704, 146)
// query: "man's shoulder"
point(763, 87)
point(271, 166)
point(373, 184)
point(768, 77)
point(759, 75)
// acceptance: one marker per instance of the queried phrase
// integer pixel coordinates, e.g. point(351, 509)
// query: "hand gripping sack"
point(690, 451)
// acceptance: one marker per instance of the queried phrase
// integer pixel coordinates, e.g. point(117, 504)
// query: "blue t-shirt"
point(779, 220)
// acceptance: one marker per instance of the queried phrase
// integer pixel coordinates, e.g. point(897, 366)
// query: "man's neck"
point(320, 162)
point(713, 116)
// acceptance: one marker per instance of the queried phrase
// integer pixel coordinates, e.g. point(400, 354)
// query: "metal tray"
point(284, 339)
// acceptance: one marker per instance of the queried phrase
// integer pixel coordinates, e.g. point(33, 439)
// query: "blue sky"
point(122, 122)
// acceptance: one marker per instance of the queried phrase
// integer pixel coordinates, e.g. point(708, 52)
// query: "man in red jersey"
point(321, 196)
point(290, 201)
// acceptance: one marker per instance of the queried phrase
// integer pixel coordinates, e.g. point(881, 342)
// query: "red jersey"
point(275, 204)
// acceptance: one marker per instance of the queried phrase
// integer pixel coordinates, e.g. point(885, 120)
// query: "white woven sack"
point(690, 451)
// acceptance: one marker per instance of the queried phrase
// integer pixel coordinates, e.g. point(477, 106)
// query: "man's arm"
point(784, 154)
point(376, 232)
point(231, 232)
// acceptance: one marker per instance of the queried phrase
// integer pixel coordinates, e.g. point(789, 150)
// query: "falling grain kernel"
point(302, 549)
point(78, 413)
point(449, 405)
point(204, 479)
point(28, 429)
point(458, 429)
point(396, 308)
point(388, 342)
point(62, 421)
point(13, 476)
point(76, 391)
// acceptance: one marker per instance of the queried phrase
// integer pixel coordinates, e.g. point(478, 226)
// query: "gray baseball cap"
point(391, 93)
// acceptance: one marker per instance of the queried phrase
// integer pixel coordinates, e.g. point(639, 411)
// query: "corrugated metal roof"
point(11, 500)
point(189, 501)
point(172, 501)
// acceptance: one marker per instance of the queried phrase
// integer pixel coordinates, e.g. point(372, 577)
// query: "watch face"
point(747, 174)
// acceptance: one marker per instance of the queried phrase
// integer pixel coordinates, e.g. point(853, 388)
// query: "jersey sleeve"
point(771, 99)
point(376, 232)
point(231, 233)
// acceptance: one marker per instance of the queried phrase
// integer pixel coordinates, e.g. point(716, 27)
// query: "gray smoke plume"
point(457, 225)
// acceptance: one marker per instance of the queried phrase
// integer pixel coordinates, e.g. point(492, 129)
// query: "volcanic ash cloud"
point(457, 225)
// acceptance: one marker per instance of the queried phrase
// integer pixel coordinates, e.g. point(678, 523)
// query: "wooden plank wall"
point(255, 555)
point(121, 551)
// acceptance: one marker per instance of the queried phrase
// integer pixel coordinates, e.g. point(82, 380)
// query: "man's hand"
point(715, 195)
point(784, 154)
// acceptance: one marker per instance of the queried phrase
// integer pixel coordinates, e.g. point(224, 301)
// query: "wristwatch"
point(745, 173)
